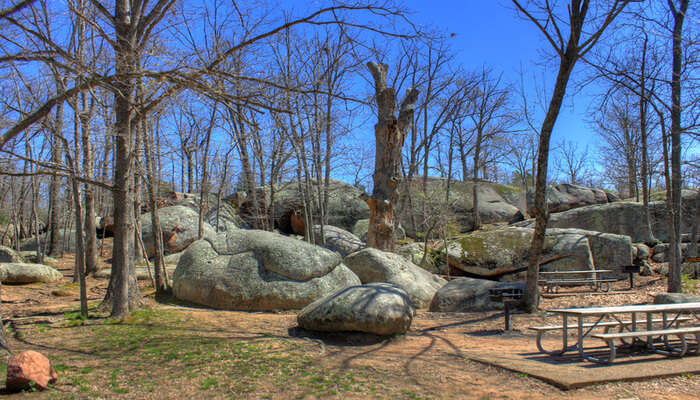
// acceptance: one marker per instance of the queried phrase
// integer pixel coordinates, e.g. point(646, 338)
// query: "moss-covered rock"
point(497, 253)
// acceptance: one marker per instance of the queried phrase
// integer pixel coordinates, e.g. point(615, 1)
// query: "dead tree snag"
point(390, 133)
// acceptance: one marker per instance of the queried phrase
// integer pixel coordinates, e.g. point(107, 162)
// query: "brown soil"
point(428, 362)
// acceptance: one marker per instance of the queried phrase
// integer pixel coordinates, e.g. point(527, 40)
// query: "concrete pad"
point(570, 372)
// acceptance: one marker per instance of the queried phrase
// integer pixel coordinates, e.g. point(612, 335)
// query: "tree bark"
point(158, 263)
point(646, 216)
point(674, 268)
point(540, 204)
point(204, 189)
point(120, 292)
point(475, 190)
point(390, 133)
point(54, 190)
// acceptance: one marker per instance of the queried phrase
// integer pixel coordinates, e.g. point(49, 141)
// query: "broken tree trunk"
point(390, 133)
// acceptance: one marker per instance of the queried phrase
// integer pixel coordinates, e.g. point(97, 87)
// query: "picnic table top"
point(632, 308)
point(590, 271)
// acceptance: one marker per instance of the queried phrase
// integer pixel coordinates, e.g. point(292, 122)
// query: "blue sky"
point(490, 33)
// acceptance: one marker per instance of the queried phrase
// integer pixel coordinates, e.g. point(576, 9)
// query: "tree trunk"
point(54, 190)
point(88, 164)
point(540, 205)
point(390, 133)
point(674, 268)
point(158, 263)
point(646, 215)
point(475, 191)
point(204, 187)
point(79, 248)
point(120, 291)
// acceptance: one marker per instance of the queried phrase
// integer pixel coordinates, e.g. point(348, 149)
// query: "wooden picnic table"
point(626, 319)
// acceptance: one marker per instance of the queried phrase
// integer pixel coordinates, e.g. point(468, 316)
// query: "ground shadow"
point(341, 339)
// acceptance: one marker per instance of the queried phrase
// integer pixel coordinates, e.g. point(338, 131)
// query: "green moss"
point(505, 190)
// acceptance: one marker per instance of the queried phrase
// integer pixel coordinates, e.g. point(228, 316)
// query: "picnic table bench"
point(625, 318)
point(552, 279)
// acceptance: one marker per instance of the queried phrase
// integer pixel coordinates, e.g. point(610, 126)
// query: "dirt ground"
point(428, 362)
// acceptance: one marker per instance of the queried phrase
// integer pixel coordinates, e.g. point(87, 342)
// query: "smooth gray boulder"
point(608, 250)
point(228, 218)
point(180, 227)
point(337, 240)
point(258, 270)
point(675, 298)
point(468, 295)
point(413, 252)
point(9, 255)
point(661, 252)
point(624, 218)
point(173, 259)
point(66, 242)
point(565, 196)
point(31, 257)
point(372, 265)
point(497, 203)
point(345, 207)
point(642, 251)
point(28, 273)
point(377, 308)
point(361, 228)
point(142, 273)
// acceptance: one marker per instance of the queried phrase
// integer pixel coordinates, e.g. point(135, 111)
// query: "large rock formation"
point(495, 254)
point(8, 255)
point(414, 252)
point(468, 295)
point(362, 227)
point(257, 270)
point(565, 196)
point(625, 218)
point(378, 308)
point(180, 227)
point(66, 241)
point(28, 273)
point(372, 265)
point(345, 207)
point(497, 203)
point(227, 217)
point(336, 239)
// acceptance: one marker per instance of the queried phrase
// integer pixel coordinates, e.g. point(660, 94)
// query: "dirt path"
point(186, 352)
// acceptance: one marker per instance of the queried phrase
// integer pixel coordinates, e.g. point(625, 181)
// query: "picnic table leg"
point(631, 280)
point(565, 333)
point(581, 351)
point(565, 343)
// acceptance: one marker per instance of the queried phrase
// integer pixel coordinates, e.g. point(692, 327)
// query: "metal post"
point(507, 306)
point(631, 280)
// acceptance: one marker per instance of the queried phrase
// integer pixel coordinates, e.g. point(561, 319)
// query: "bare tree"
point(616, 122)
point(490, 116)
point(390, 132)
point(572, 162)
point(678, 11)
point(552, 21)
